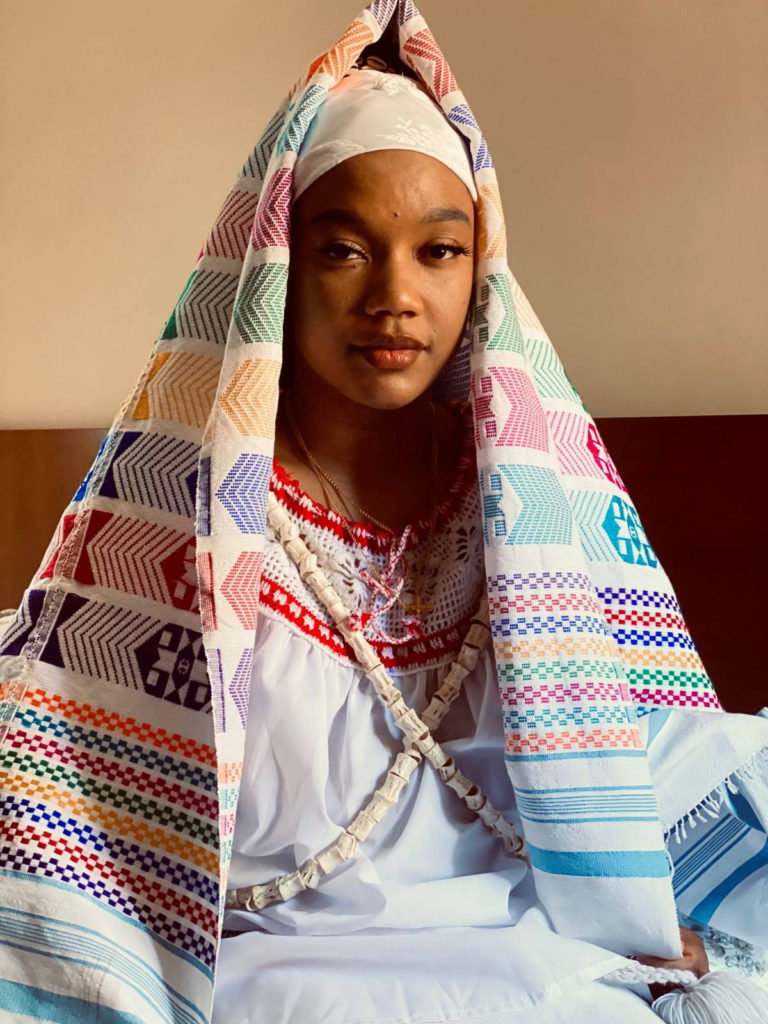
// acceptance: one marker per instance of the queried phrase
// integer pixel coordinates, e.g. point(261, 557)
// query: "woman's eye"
point(443, 247)
point(343, 252)
point(340, 251)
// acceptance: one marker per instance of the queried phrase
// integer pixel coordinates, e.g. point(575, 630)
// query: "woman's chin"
point(387, 395)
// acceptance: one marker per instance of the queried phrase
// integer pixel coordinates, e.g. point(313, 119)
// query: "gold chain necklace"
point(418, 605)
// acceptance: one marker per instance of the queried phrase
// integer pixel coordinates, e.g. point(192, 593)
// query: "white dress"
point(432, 921)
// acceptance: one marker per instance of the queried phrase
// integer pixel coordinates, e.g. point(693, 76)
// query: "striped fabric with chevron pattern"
point(124, 674)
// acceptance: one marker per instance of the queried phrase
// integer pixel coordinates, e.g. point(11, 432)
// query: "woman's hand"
point(694, 959)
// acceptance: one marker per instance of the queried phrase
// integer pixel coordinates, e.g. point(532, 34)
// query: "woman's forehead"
point(389, 182)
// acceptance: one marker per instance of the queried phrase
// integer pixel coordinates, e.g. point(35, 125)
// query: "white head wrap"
point(369, 110)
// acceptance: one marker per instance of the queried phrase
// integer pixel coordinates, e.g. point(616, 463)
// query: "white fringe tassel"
point(719, 997)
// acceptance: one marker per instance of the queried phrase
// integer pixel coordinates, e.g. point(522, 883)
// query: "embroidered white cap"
point(369, 110)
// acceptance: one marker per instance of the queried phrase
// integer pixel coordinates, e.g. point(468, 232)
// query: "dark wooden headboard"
point(696, 482)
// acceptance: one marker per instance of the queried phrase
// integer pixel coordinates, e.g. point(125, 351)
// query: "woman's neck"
point(380, 459)
point(357, 441)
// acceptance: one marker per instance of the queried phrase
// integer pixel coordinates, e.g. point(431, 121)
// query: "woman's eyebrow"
point(341, 215)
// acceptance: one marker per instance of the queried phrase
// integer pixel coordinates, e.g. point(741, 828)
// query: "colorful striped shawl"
point(126, 669)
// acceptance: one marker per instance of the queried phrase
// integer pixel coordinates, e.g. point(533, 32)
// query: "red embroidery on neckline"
point(437, 647)
point(297, 501)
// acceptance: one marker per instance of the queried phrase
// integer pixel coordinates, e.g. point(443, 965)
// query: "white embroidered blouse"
point(431, 921)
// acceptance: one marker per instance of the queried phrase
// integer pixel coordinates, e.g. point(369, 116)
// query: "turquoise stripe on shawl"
point(601, 863)
point(61, 940)
point(703, 911)
point(32, 1001)
point(571, 754)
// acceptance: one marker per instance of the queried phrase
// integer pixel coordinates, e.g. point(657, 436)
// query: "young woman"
point(428, 918)
point(450, 780)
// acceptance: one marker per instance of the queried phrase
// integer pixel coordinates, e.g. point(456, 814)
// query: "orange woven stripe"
point(127, 826)
point(580, 739)
point(111, 722)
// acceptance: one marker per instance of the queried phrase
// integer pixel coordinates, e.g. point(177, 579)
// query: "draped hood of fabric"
point(126, 668)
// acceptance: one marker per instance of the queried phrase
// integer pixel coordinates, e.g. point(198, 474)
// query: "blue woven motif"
point(293, 135)
point(565, 716)
point(243, 492)
point(545, 515)
point(462, 115)
point(622, 524)
point(145, 469)
point(204, 496)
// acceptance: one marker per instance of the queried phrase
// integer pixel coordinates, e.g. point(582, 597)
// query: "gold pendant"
point(417, 606)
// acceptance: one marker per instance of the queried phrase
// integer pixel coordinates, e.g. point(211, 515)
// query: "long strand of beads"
point(419, 743)
point(418, 740)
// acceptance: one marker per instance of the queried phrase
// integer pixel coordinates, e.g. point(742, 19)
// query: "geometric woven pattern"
point(551, 382)
point(180, 387)
point(256, 164)
point(526, 426)
point(420, 50)
point(240, 684)
point(17, 631)
point(207, 596)
point(258, 312)
point(250, 397)
point(272, 213)
point(593, 803)
point(241, 587)
point(296, 126)
point(169, 331)
point(622, 524)
point(462, 115)
point(229, 236)
point(152, 470)
point(545, 515)
point(143, 558)
point(337, 60)
point(494, 317)
point(507, 336)
point(98, 640)
point(243, 492)
point(491, 232)
point(130, 556)
point(205, 308)
point(204, 496)
point(602, 457)
point(579, 448)
point(589, 510)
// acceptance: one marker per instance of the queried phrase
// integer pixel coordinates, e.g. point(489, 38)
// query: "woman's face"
point(381, 275)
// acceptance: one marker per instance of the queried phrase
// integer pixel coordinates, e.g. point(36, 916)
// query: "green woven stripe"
point(507, 337)
point(170, 330)
point(668, 679)
point(551, 379)
point(104, 794)
point(548, 671)
point(258, 312)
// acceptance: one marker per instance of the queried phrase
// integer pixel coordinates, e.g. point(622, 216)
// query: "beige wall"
point(629, 137)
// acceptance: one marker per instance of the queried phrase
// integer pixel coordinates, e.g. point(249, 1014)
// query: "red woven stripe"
point(110, 722)
point(126, 776)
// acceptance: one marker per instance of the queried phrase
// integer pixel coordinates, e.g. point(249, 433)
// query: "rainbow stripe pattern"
point(125, 669)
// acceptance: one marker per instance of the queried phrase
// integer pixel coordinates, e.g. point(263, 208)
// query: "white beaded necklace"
point(419, 742)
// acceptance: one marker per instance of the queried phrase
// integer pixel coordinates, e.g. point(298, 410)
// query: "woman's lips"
point(391, 351)
point(389, 358)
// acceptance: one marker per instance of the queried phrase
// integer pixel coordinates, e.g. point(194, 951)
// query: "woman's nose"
point(392, 286)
